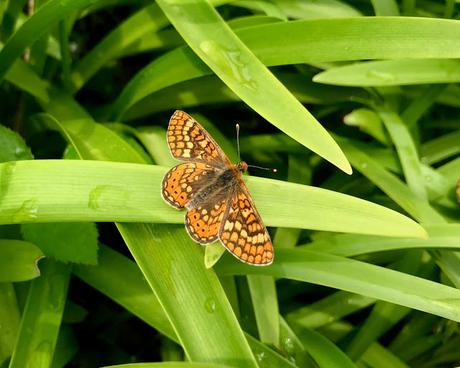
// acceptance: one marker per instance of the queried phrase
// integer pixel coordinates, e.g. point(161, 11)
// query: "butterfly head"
point(242, 166)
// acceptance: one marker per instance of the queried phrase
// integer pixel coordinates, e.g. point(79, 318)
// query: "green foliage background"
point(354, 102)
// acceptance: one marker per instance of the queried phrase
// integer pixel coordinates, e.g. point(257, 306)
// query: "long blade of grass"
point(41, 318)
point(346, 274)
point(442, 236)
point(309, 41)
point(392, 73)
point(233, 62)
point(106, 191)
point(10, 316)
point(121, 280)
point(325, 353)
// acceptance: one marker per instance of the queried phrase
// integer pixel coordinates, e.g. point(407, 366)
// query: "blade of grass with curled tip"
point(232, 61)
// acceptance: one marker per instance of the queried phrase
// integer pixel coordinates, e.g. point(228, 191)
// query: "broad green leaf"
point(106, 191)
point(18, 260)
point(346, 274)
point(392, 73)
point(233, 62)
point(71, 242)
point(12, 146)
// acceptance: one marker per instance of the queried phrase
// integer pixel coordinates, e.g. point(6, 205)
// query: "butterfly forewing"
point(183, 181)
point(212, 189)
point(243, 232)
point(189, 141)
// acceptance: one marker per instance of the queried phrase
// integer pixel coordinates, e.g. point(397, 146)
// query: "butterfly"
point(211, 188)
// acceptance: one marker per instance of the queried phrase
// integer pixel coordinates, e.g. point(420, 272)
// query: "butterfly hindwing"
point(203, 223)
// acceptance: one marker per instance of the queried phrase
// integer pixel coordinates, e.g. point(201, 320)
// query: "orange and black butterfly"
point(212, 190)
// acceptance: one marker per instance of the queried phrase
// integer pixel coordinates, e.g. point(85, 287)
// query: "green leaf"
point(169, 365)
point(12, 146)
point(41, 317)
point(441, 236)
point(392, 73)
point(71, 242)
point(121, 280)
point(233, 62)
point(310, 41)
point(346, 274)
point(148, 19)
point(265, 304)
point(35, 28)
point(440, 148)
point(175, 274)
point(368, 121)
point(329, 309)
point(10, 316)
point(385, 7)
point(106, 191)
point(18, 260)
point(325, 353)
point(299, 9)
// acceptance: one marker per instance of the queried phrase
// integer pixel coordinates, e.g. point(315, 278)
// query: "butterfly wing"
point(242, 231)
point(183, 181)
point(203, 222)
point(189, 141)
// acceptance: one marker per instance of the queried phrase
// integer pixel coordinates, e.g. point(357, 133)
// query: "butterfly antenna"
point(263, 168)
point(237, 127)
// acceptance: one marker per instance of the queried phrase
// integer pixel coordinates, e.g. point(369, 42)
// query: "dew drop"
point(210, 305)
point(288, 345)
point(28, 211)
point(260, 356)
